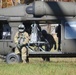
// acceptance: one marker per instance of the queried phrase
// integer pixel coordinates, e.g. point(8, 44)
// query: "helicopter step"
point(51, 54)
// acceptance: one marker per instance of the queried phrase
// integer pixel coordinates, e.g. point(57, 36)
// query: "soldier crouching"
point(21, 38)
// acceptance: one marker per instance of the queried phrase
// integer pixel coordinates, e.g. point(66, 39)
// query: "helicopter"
point(35, 13)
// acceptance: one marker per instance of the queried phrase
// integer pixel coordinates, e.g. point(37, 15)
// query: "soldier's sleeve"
point(16, 38)
point(26, 38)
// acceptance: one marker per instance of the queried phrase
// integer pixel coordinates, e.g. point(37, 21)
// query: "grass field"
point(37, 66)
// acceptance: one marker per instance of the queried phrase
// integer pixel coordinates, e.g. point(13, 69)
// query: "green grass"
point(39, 67)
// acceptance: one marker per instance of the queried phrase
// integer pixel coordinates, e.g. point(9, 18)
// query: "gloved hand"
point(26, 44)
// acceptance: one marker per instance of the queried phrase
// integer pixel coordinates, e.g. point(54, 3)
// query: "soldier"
point(51, 43)
point(21, 39)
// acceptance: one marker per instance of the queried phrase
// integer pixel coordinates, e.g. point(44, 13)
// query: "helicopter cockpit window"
point(5, 31)
point(70, 30)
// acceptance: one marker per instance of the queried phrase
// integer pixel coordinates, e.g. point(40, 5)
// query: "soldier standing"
point(21, 39)
point(51, 43)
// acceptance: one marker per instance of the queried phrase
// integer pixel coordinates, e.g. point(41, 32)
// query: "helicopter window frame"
point(70, 30)
point(5, 31)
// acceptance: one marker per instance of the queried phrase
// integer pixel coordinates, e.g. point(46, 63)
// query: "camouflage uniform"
point(21, 39)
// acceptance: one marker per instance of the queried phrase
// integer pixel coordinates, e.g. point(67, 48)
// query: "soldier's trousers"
point(22, 52)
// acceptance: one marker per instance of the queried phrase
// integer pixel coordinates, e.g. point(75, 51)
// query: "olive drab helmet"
point(21, 28)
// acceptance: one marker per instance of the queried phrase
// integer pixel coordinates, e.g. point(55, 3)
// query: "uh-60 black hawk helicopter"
point(34, 14)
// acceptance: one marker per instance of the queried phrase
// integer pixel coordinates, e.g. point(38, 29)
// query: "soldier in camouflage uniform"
point(21, 39)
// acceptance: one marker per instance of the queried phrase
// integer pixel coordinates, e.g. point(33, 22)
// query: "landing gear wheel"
point(12, 58)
